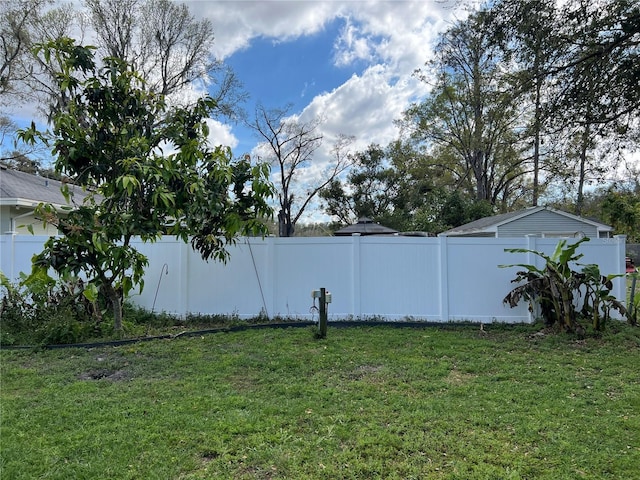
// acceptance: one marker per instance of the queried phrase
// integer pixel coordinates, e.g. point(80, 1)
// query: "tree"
point(18, 27)
point(469, 123)
point(601, 37)
point(110, 138)
point(527, 33)
point(598, 123)
point(621, 208)
point(583, 57)
point(167, 45)
point(290, 144)
point(16, 30)
point(397, 188)
point(368, 191)
point(32, 79)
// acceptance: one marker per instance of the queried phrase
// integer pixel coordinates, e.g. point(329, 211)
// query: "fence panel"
point(399, 277)
point(477, 285)
point(435, 279)
point(301, 265)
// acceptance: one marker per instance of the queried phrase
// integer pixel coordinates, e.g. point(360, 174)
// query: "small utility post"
point(633, 312)
point(323, 313)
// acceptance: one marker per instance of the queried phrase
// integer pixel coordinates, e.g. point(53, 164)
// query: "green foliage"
point(400, 190)
point(370, 190)
point(598, 300)
point(634, 297)
point(40, 310)
point(556, 288)
point(110, 136)
point(468, 123)
point(621, 208)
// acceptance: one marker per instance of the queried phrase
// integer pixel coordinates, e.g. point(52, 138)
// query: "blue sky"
point(293, 72)
point(347, 62)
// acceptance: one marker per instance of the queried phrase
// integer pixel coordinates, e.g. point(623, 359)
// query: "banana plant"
point(552, 287)
point(557, 286)
point(598, 300)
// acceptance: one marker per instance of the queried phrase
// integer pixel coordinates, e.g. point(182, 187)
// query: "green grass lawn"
point(367, 402)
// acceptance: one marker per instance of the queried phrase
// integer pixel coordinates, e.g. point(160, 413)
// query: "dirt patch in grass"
point(363, 371)
point(457, 377)
point(103, 374)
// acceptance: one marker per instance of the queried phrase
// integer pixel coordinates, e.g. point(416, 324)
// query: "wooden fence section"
point(438, 279)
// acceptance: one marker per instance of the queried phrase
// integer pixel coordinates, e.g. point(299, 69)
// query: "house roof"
point(366, 226)
point(491, 224)
point(27, 190)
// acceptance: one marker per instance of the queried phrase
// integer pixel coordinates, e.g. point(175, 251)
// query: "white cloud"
point(352, 46)
point(365, 106)
point(392, 37)
point(220, 134)
point(235, 23)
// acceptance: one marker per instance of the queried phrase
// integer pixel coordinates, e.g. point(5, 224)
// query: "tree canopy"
point(148, 170)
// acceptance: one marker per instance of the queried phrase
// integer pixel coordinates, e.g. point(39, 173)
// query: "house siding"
point(23, 218)
point(545, 221)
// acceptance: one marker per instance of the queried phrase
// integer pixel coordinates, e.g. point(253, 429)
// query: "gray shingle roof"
point(366, 226)
point(489, 223)
point(24, 188)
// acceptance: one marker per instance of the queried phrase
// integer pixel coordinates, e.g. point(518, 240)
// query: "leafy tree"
point(527, 33)
point(468, 124)
point(148, 171)
point(601, 37)
point(291, 144)
point(621, 208)
point(369, 190)
point(394, 187)
point(578, 62)
point(597, 121)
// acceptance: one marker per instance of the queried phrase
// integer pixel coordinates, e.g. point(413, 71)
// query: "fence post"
point(620, 284)
point(323, 312)
point(444, 278)
point(356, 276)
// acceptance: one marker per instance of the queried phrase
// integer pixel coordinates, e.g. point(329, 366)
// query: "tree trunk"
point(584, 149)
point(536, 140)
point(116, 304)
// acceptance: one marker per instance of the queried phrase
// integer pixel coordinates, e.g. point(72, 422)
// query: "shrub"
point(556, 288)
point(40, 310)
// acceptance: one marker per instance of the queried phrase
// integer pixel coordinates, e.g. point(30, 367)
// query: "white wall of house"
point(17, 220)
point(434, 279)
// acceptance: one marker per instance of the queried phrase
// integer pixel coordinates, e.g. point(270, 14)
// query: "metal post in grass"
point(323, 312)
point(633, 311)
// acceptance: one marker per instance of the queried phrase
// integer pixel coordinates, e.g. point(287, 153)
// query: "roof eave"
point(27, 203)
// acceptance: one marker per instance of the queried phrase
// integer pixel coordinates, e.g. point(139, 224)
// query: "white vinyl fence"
point(438, 279)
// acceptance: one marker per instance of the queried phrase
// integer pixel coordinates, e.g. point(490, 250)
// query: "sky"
point(348, 62)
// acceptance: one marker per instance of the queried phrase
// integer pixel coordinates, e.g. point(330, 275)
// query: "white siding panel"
point(545, 221)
